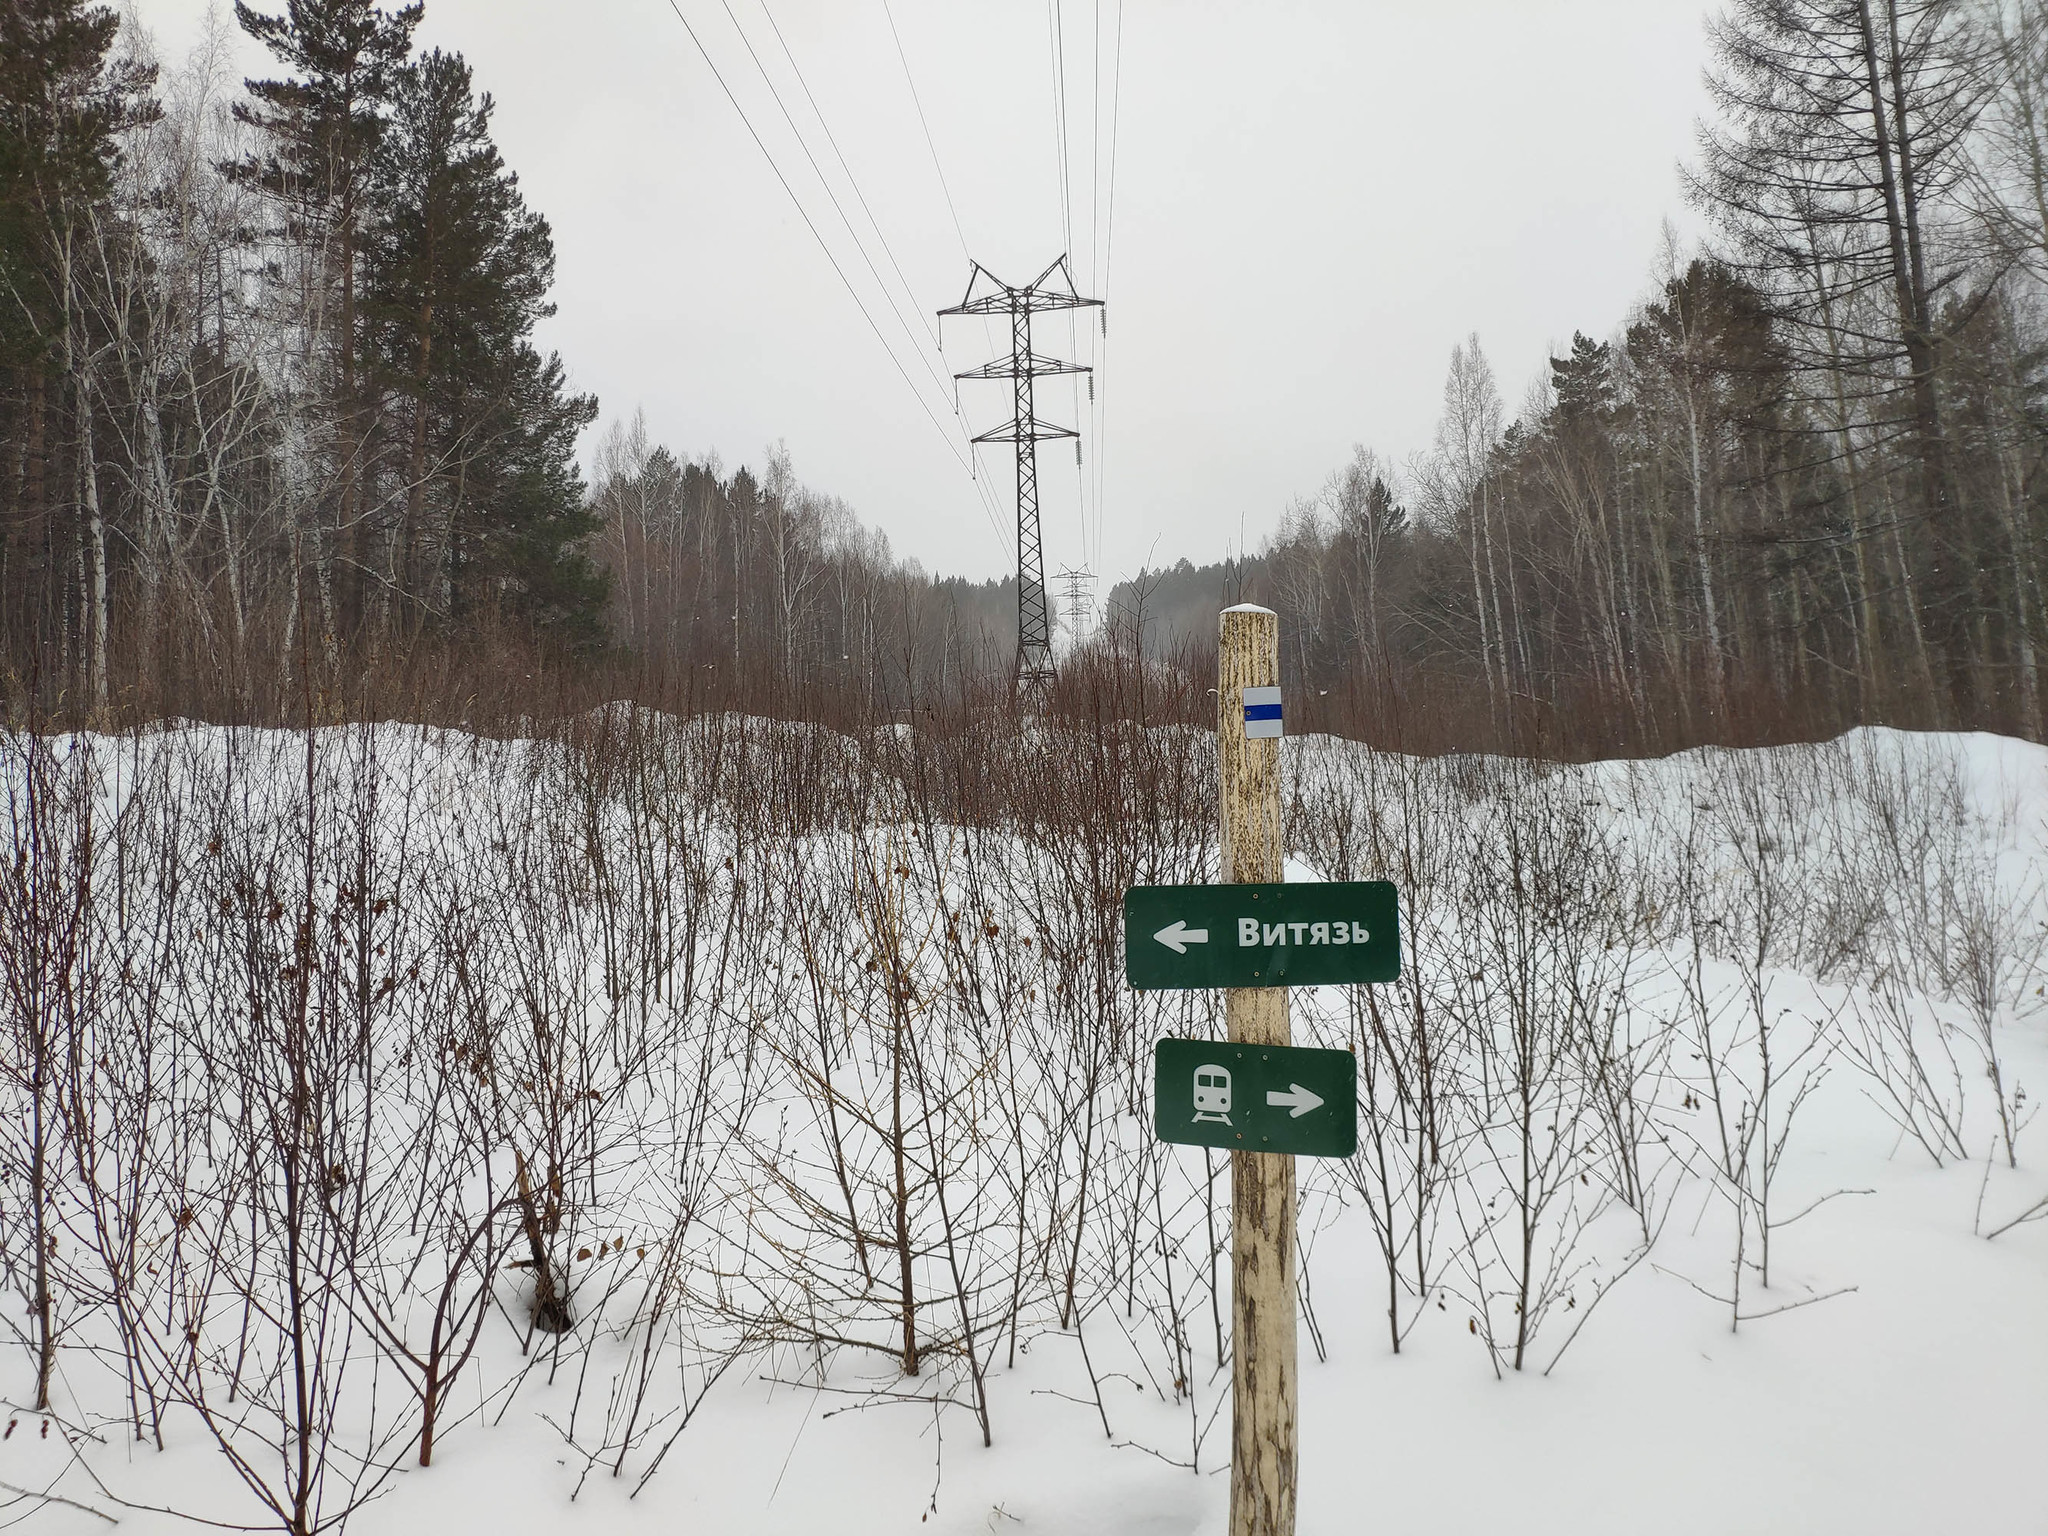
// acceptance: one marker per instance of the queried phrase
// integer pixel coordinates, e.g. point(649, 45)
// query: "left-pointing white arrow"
point(1297, 1100)
point(1177, 936)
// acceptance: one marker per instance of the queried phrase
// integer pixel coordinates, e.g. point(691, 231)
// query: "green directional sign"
point(1255, 1098)
point(1261, 935)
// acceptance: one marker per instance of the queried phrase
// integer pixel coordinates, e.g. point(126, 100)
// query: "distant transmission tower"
point(1075, 587)
point(1051, 290)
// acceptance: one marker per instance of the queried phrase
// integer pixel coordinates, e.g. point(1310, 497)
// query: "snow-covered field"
point(744, 1034)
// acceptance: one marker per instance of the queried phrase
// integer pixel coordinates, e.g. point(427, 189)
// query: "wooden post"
point(1262, 1434)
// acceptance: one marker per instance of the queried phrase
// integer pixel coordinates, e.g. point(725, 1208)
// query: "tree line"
point(1805, 484)
point(756, 589)
point(269, 392)
point(272, 410)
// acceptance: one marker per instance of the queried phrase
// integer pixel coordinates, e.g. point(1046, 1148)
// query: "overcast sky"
point(1312, 204)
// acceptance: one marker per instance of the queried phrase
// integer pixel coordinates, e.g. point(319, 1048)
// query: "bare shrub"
point(1367, 816)
point(50, 977)
point(1543, 928)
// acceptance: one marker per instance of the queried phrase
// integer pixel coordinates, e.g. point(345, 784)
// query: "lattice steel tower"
point(1075, 586)
point(1051, 290)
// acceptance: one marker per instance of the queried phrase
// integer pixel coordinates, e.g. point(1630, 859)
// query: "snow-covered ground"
point(1825, 903)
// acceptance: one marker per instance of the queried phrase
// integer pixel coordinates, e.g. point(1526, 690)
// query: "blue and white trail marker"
point(1261, 713)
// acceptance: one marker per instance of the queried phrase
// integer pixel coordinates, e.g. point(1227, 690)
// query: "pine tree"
point(533, 517)
point(321, 127)
point(1584, 382)
point(460, 271)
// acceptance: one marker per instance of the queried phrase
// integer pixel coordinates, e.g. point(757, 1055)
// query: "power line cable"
point(966, 462)
point(1056, 38)
point(917, 101)
point(931, 144)
point(1095, 94)
point(1095, 144)
point(853, 181)
point(804, 144)
point(1108, 252)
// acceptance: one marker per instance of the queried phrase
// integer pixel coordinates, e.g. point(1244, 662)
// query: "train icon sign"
point(1212, 1093)
point(1255, 1098)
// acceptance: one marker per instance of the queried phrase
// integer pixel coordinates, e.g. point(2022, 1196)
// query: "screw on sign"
point(1261, 713)
point(1255, 1098)
point(1261, 935)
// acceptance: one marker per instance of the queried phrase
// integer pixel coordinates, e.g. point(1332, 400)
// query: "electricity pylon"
point(1075, 585)
point(1051, 290)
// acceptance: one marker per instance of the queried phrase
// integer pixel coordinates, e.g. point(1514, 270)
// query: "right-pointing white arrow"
point(1297, 1099)
point(1177, 936)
